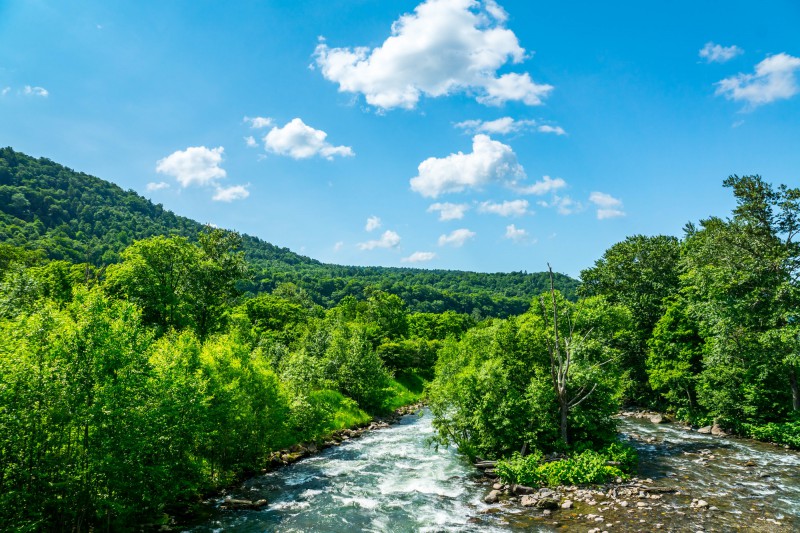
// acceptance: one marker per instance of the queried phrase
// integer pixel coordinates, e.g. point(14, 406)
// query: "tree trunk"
point(564, 412)
point(795, 389)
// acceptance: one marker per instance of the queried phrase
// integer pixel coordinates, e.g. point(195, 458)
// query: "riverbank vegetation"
point(704, 328)
point(146, 361)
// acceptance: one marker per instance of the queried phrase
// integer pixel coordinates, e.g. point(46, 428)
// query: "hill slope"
point(73, 216)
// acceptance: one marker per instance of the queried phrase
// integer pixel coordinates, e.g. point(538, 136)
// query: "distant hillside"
point(80, 218)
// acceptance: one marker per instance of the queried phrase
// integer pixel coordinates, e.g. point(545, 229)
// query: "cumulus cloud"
point(607, 205)
point(197, 165)
point(389, 239)
point(373, 223)
point(35, 91)
point(443, 47)
point(153, 186)
point(229, 194)
point(546, 185)
point(490, 161)
point(259, 122)
point(505, 209)
point(250, 141)
point(419, 257)
point(715, 53)
point(515, 234)
point(774, 79)
point(546, 128)
point(299, 141)
point(448, 211)
point(456, 238)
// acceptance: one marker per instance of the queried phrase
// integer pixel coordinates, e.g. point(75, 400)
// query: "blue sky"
point(488, 136)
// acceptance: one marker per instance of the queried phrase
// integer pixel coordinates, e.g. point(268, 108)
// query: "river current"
point(393, 480)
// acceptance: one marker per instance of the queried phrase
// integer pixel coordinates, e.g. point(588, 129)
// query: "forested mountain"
point(83, 219)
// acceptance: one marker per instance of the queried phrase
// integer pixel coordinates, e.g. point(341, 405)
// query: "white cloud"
point(250, 141)
point(516, 234)
point(564, 205)
point(373, 223)
point(152, 186)
point(501, 126)
point(488, 162)
point(197, 165)
point(456, 238)
point(299, 141)
point(35, 91)
point(419, 257)
point(443, 47)
point(448, 211)
point(546, 128)
point(774, 79)
point(389, 239)
point(229, 194)
point(715, 53)
point(506, 209)
point(259, 122)
point(338, 246)
point(546, 185)
point(607, 205)
point(5, 91)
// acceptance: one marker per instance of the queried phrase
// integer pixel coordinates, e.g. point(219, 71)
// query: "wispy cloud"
point(517, 235)
point(35, 91)
point(373, 223)
point(259, 122)
point(607, 205)
point(448, 211)
point(505, 209)
point(544, 186)
point(715, 53)
point(443, 47)
point(153, 186)
point(419, 257)
point(456, 238)
point(229, 194)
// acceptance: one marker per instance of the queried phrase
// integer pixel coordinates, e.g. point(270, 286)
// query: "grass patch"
point(345, 413)
point(405, 388)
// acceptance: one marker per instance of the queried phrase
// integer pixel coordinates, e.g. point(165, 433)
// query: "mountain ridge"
point(74, 216)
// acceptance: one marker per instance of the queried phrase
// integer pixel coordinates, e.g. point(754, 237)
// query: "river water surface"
point(392, 480)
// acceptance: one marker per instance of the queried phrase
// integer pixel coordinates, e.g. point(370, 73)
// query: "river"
point(393, 480)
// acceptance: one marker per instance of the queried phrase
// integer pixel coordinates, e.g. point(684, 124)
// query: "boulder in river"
point(658, 419)
point(492, 497)
point(233, 504)
point(522, 489)
point(717, 430)
point(705, 430)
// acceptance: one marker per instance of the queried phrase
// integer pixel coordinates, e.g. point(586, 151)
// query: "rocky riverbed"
point(695, 482)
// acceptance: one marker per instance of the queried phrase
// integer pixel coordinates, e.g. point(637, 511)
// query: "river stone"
point(657, 419)
point(492, 497)
point(567, 504)
point(522, 489)
point(528, 501)
point(547, 503)
point(701, 504)
point(705, 430)
point(716, 430)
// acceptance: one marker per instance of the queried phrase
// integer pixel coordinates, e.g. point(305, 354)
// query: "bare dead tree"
point(562, 351)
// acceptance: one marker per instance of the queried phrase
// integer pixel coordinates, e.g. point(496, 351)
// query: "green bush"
point(586, 467)
point(781, 433)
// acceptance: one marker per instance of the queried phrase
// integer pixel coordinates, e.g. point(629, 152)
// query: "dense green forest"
point(146, 360)
point(705, 328)
point(79, 218)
